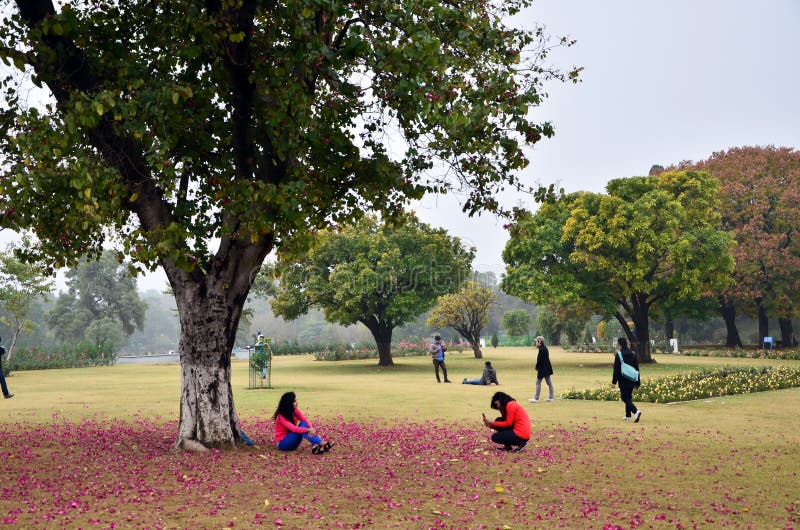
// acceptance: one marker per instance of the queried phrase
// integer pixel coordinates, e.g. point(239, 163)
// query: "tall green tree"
point(517, 322)
point(381, 275)
point(21, 284)
point(108, 332)
point(98, 290)
point(466, 311)
point(648, 240)
point(198, 136)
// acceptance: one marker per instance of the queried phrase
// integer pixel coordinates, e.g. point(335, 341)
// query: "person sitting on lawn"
point(513, 427)
point(489, 376)
point(291, 426)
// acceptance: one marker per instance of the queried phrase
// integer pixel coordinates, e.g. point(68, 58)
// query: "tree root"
point(190, 446)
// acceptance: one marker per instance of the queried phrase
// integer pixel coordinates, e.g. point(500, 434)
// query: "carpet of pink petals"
point(105, 473)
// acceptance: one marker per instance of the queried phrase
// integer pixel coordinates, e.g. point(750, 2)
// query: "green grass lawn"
point(361, 389)
point(410, 453)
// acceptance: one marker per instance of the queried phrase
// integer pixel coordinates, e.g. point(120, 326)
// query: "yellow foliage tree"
point(466, 311)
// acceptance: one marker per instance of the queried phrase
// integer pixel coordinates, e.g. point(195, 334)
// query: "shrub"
point(516, 341)
point(66, 356)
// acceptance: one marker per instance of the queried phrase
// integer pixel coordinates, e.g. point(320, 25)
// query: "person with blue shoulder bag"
point(626, 374)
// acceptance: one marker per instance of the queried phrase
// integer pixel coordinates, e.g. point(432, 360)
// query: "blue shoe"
point(246, 439)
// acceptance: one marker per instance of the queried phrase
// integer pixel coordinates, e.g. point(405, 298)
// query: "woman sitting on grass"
point(291, 426)
point(513, 427)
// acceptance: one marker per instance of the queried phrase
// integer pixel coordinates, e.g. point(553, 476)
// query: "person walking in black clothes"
point(626, 386)
point(6, 393)
point(544, 370)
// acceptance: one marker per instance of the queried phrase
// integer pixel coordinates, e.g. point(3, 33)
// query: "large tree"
point(203, 134)
point(760, 205)
point(101, 290)
point(21, 284)
point(648, 240)
point(381, 275)
point(466, 311)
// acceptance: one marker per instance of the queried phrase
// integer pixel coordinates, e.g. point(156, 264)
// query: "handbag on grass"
point(628, 372)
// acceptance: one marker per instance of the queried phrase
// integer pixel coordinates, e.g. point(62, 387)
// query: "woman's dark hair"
point(623, 342)
point(286, 406)
point(503, 398)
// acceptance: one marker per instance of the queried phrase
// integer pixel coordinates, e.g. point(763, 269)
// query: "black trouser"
point(3, 381)
point(626, 393)
point(508, 438)
point(436, 365)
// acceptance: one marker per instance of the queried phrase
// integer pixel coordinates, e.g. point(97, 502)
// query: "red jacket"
point(516, 417)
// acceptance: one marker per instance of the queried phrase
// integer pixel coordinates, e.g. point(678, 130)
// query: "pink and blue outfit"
point(289, 434)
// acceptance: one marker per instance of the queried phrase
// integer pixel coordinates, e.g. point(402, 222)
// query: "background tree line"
point(697, 239)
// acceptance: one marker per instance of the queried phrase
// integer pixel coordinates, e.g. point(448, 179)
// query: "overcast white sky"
point(663, 81)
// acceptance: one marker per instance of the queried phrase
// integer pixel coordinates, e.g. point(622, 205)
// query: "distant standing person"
point(489, 376)
point(513, 427)
point(291, 426)
point(544, 370)
point(6, 393)
point(626, 386)
point(437, 354)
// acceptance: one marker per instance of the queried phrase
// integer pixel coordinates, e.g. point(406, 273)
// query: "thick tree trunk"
point(555, 340)
point(763, 322)
point(207, 409)
point(473, 337)
point(642, 323)
point(669, 329)
point(210, 306)
point(476, 345)
point(787, 333)
point(208, 331)
point(639, 337)
point(728, 312)
point(383, 340)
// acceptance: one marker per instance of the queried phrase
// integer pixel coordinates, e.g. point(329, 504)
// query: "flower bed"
point(782, 355)
point(701, 385)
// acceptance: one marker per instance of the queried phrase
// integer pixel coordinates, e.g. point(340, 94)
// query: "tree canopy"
point(760, 205)
point(198, 136)
point(381, 275)
point(101, 303)
point(517, 322)
point(648, 240)
point(466, 311)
